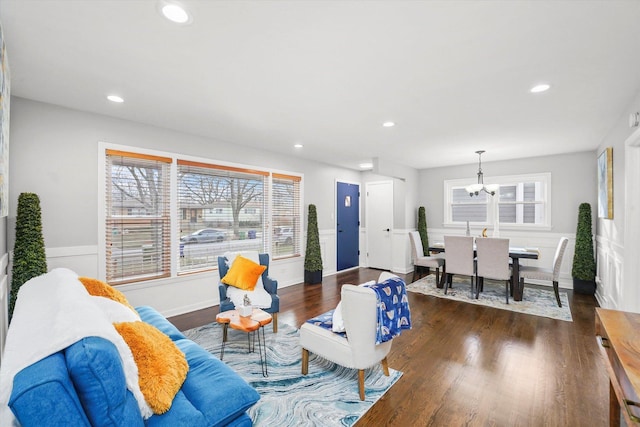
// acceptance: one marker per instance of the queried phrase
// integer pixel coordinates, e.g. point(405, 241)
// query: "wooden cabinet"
point(619, 336)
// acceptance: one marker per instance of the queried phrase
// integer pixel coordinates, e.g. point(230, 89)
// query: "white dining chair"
point(551, 274)
point(421, 261)
point(492, 262)
point(458, 257)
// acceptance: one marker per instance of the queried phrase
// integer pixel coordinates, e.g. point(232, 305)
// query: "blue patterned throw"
point(393, 309)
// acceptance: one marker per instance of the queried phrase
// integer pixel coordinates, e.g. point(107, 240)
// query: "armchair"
point(359, 351)
point(270, 285)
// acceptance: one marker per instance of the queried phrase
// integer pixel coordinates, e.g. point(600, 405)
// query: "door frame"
point(631, 267)
point(335, 219)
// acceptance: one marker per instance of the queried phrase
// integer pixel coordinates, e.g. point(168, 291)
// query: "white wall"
point(618, 239)
point(54, 153)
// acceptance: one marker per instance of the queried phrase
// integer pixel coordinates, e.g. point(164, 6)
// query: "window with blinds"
point(522, 201)
point(285, 240)
point(220, 209)
point(138, 224)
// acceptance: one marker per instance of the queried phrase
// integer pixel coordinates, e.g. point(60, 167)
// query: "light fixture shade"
point(474, 188)
point(493, 188)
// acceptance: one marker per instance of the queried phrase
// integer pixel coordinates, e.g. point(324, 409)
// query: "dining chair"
point(551, 274)
point(421, 261)
point(492, 262)
point(458, 257)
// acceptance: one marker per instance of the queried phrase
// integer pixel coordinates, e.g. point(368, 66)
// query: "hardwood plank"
point(465, 364)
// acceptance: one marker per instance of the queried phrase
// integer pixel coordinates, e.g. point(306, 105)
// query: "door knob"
point(386, 229)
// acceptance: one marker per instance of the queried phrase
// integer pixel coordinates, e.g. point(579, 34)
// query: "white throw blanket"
point(52, 312)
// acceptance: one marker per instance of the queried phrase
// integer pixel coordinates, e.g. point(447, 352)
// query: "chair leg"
point(275, 323)
point(361, 383)
point(479, 282)
point(413, 279)
point(446, 283)
point(507, 289)
point(305, 361)
point(437, 276)
point(385, 366)
point(557, 291)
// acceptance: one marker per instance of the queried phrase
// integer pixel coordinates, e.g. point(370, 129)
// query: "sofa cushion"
point(95, 368)
point(182, 413)
point(151, 316)
point(162, 367)
point(44, 395)
point(213, 387)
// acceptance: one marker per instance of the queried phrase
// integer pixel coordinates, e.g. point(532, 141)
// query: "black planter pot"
point(312, 277)
point(585, 287)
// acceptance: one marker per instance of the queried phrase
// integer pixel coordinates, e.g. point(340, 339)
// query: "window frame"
point(493, 203)
point(174, 211)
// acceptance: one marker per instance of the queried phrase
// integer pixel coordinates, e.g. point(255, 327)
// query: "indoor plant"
point(584, 264)
point(312, 256)
point(29, 258)
point(422, 229)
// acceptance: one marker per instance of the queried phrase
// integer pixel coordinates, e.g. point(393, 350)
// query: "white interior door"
point(379, 224)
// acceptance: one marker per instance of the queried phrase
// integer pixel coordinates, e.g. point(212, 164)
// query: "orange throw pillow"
point(243, 274)
point(99, 288)
point(162, 367)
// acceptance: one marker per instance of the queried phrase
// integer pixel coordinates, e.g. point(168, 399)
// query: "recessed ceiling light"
point(366, 165)
point(115, 98)
point(298, 145)
point(540, 88)
point(388, 124)
point(176, 13)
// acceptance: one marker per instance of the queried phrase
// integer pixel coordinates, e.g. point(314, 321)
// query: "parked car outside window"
point(283, 235)
point(204, 236)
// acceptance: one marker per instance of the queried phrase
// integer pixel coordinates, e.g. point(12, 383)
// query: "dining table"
point(516, 254)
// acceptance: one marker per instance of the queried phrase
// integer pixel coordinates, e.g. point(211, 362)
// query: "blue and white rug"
point(535, 301)
point(326, 396)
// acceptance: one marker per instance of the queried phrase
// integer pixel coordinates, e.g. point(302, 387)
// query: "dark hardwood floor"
point(471, 365)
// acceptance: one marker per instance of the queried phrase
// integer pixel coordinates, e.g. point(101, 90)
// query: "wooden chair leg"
point(437, 276)
point(275, 322)
point(507, 289)
point(413, 279)
point(305, 361)
point(361, 383)
point(447, 281)
point(557, 292)
point(385, 366)
point(443, 277)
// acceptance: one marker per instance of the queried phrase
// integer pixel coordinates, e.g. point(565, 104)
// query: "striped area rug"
point(326, 396)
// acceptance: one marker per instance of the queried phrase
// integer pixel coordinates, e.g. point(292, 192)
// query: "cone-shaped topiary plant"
point(584, 264)
point(29, 258)
point(312, 256)
point(422, 229)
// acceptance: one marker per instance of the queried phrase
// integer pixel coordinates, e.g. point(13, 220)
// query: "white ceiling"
point(453, 75)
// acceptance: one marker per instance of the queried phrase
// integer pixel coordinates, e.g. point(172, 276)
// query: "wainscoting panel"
point(610, 261)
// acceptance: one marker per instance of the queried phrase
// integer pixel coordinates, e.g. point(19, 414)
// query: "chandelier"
point(475, 189)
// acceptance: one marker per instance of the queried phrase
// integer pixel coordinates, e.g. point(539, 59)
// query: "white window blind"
point(220, 209)
point(285, 241)
point(137, 217)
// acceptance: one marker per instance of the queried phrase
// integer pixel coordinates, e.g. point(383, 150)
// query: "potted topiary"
point(422, 229)
point(29, 258)
point(313, 257)
point(584, 264)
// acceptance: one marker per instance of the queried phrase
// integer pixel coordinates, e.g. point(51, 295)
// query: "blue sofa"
point(84, 385)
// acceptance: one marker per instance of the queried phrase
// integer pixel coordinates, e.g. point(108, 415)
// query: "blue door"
point(348, 225)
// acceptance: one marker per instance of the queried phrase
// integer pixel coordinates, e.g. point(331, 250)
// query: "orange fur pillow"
point(243, 274)
point(162, 367)
point(99, 288)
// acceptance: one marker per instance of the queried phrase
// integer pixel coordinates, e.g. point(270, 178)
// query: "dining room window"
point(521, 201)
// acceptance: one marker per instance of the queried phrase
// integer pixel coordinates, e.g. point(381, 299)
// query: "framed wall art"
point(605, 184)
